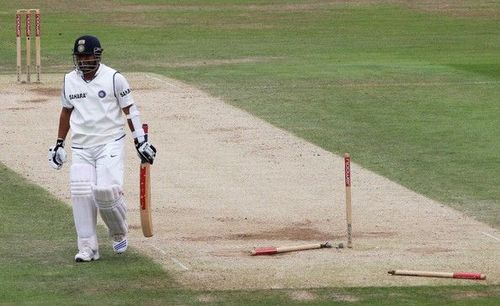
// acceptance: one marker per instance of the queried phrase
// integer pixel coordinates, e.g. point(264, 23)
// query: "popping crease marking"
point(180, 264)
point(175, 260)
point(491, 236)
point(162, 81)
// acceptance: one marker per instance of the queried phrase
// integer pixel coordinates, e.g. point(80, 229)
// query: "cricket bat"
point(145, 194)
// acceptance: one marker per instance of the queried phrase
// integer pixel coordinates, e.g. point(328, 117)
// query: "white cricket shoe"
point(86, 255)
point(120, 244)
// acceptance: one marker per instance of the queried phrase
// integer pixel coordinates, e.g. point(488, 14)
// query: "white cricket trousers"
point(96, 166)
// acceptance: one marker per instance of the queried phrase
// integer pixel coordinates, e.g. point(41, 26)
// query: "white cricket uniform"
point(97, 106)
point(97, 135)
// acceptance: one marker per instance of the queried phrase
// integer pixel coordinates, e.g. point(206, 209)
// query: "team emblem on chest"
point(102, 94)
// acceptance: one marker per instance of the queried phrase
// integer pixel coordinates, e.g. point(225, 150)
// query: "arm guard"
point(134, 117)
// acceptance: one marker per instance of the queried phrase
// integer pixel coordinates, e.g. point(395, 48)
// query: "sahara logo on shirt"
point(82, 95)
point(125, 92)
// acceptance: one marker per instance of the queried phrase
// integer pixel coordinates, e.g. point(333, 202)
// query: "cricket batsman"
point(94, 98)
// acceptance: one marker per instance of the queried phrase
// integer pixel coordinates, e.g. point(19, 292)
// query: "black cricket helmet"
point(87, 45)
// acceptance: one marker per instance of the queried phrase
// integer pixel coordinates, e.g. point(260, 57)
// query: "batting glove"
point(146, 152)
point(57, 155)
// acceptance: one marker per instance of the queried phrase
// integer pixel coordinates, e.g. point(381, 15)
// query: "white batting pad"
point(111, 204)
point(82, 177)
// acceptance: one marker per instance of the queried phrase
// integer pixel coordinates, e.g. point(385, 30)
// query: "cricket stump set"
point(348, 205)
point(28, 14)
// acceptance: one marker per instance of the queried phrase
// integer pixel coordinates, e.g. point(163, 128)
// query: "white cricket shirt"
point(97, 105)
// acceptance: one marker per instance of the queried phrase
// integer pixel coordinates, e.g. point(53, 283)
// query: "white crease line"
point(158, 249)
point(162, 81)
point(175, 260)
point(179, 263)
point(491, 236)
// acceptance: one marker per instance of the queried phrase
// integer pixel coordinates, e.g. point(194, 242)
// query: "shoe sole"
point(78, 259)
point(81, 260)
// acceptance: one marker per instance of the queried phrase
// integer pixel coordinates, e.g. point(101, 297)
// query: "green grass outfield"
point(411, 92)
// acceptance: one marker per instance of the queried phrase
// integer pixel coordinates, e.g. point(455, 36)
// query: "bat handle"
point(145, 127)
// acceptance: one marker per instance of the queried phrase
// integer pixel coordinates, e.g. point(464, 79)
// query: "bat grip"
point(145, 127)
